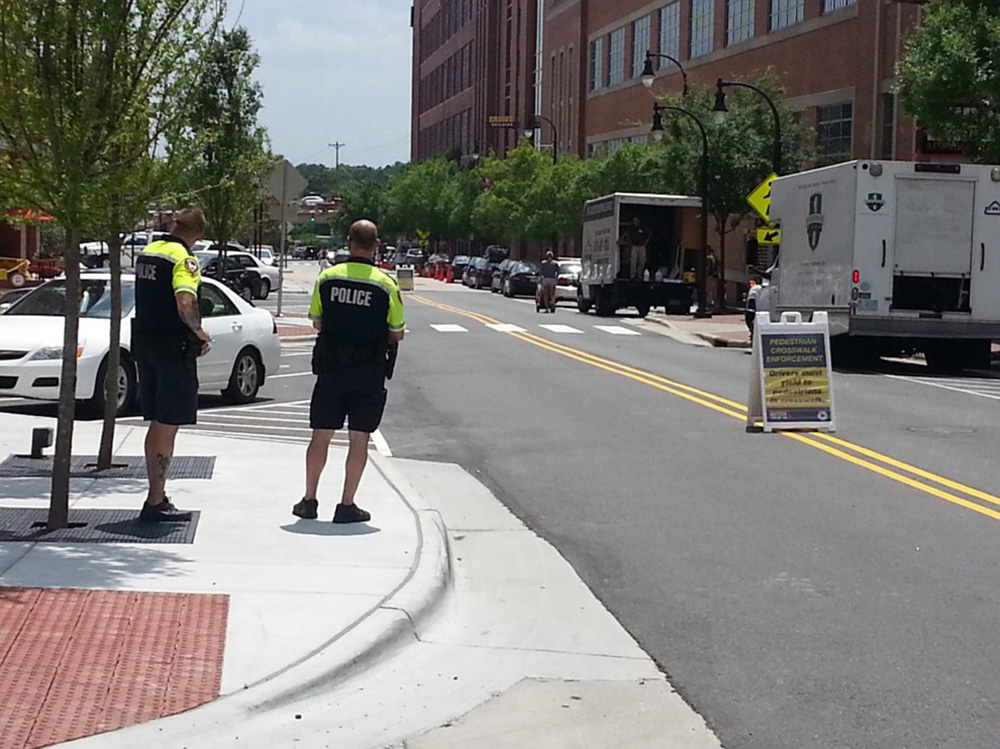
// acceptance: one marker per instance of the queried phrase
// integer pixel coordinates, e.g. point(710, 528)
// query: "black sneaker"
point(163, 513)
point(307, 509)
point(351, 514)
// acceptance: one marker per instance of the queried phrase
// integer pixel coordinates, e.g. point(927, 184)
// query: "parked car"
point(436, 261)
point(7, 298)
point(265, 252)
point(522, 279)
point(414, 256)
point(479, 273)
point(568, 279)
point(263, 277)
point(458, 265)
point(245, 348)
point(500, 274)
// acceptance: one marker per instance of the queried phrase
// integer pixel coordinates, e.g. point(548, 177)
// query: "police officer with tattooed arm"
point(358, 312)
point(167, 339)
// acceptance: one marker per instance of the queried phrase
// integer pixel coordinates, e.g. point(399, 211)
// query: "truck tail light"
point(857, 276)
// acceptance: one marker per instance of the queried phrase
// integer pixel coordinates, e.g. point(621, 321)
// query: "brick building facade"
point(835, 58)
point(473, 60)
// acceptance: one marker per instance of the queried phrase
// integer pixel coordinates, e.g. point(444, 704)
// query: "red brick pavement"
point(79, 662)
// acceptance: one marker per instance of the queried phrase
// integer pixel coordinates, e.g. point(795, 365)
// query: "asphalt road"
point(799, 593)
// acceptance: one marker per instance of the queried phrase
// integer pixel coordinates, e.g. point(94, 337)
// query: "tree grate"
point(124, 467)
point(94, 527)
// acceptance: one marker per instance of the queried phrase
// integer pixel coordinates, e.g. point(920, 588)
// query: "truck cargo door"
point(932, 254)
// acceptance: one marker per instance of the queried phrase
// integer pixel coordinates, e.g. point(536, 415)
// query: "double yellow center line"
point(897, 470)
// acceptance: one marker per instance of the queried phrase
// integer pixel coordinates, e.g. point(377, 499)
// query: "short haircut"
point(190, 220)
point(363, 235)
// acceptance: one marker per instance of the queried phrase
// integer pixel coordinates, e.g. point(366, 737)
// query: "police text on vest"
point(145, 271)
point(359, 297)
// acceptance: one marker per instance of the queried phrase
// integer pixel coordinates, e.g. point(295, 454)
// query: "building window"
point(831, 5)
point(702, 26)
point(640, 140)
point(616, 63)
point(888, 103)
point(833, 133)
point(613, 145)
point(739, 21)
point(640, 45)
point(670, 32)
point(786, 13)
point(596, 64)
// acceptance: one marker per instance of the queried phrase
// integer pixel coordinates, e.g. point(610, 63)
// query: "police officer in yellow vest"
point(358, 312)
point(167, 339)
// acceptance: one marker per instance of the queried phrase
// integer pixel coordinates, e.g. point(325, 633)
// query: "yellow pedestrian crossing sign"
point(760, 198)
point(769, 236)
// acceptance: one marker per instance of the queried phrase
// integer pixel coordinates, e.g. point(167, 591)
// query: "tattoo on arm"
point(190, 315)
point(163, 464)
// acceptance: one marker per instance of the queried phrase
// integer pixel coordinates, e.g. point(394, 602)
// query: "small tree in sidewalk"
point(77, 80)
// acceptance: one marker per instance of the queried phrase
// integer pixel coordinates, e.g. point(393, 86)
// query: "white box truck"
point(903, 256)
point(664, 280)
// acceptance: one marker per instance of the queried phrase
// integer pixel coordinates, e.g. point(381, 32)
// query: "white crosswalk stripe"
point(616, 330)
point(449, 328)
point(504, 327)
point(561, 329)
point(266, 422)
point(982, 387)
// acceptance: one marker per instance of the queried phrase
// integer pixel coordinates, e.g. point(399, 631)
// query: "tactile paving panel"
point(125, 467)
point(78, 662)
point(95, 527)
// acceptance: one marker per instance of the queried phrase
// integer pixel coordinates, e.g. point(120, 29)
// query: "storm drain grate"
point(94, 527)
point(125, 467)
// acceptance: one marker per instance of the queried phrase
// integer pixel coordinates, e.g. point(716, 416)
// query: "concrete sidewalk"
point(306, 633)
point(721, 331)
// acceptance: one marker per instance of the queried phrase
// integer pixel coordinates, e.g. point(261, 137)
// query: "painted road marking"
point(561, 328)
point(826, 443)
point(981, 388)
point(504, 327)
point(449, 329)
point(616, 330)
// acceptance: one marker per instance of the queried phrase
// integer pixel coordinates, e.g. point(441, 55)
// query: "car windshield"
point(570, 268)
point(461, 260)
point(527, 268)
point(49, 300)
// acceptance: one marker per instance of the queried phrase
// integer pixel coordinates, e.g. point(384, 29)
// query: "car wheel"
point(17, 280)
point(245, 380)
point(264, 289)
point(127, 388)
point(643, 309)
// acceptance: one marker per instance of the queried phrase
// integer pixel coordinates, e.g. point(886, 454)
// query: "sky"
point(333, 70)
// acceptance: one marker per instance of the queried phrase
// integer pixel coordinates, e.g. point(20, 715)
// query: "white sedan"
point(245, 348)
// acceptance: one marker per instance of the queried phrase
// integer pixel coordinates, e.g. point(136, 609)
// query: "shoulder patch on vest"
point(191, 265)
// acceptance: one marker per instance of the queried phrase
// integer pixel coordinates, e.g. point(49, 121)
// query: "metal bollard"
point(41, 437)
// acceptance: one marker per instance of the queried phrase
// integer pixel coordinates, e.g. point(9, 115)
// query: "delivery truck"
point(635, 253)
point(903, 256)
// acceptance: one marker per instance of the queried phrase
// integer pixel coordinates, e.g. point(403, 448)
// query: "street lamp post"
point(534, 122)
point(657, 130)
point(721, 110)
point(647, 71)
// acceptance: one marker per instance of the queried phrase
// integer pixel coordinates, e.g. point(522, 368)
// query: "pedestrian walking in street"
point(358, 313)
point(167, 339)
point(549, 278)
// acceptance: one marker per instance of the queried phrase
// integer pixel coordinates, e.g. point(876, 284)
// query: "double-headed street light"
point(721, 110)
point(657, 130)
point(534, 123)
point(647, 71)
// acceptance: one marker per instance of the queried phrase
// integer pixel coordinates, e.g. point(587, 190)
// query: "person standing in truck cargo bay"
point(358, 313)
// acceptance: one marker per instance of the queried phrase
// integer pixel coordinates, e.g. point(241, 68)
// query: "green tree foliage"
point(416, 199)
point(228, 180)
point(949, 78)
point(336, 182)
point(81, 85)
point(740, 149)
point(362, 200)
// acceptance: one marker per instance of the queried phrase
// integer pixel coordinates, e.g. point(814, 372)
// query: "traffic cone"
point(440, 273)
point(450, 278)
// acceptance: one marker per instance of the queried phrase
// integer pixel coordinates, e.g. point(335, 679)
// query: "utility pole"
point(337, 146)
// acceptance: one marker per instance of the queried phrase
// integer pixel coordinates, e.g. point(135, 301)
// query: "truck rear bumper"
point(911, 327)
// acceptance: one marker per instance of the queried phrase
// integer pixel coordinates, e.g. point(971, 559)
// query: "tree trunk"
point(721, 296)
point(59, 500)
point(114, 355)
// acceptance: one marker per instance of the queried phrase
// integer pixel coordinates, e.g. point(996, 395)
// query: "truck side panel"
point(599, 258)
point(986, 249)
